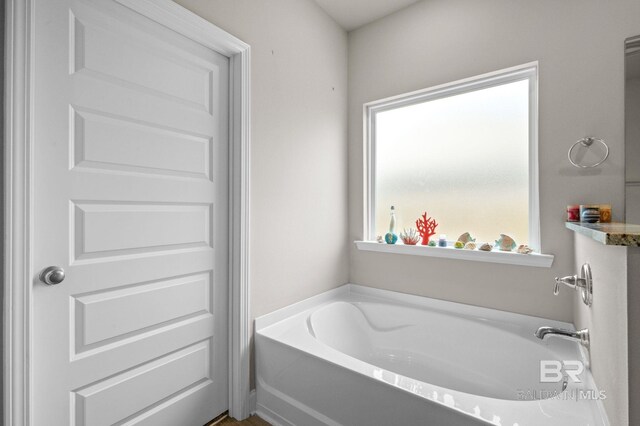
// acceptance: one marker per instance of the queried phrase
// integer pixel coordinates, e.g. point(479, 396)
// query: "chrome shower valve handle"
point(584, 282)
point(570, 281)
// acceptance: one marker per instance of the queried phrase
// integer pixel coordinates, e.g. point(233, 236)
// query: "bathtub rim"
point(407, 299)
point(349, 291)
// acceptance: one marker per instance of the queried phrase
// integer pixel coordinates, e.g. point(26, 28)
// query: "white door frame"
point(18, 215)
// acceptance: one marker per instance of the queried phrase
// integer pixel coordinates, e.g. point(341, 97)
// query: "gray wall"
point(606, 320)
point(632, 125)
point(632, 147)
point(299, 244)
point(581, 92)
point(299, 159)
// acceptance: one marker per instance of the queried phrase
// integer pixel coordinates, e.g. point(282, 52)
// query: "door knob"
point(52, 275)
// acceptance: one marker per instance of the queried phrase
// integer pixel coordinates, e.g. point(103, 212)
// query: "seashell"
point(380, 239)
point(410, 237)
point(486, 247)
point(505, 243)
point(470, 246)
point(524, 249)
point(465, 238)
point(458, 244)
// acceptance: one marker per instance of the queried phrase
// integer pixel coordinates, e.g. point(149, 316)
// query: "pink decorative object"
point(426, 228)
point(573, 213)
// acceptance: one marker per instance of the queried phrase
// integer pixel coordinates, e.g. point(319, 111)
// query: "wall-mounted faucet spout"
point(580, 336)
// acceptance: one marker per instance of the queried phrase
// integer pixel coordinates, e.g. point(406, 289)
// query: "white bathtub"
point(361, 356)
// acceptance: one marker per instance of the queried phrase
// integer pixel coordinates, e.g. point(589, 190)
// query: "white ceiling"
point(351, 14)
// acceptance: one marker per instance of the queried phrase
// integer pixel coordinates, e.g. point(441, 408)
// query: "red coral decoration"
point(426, 228)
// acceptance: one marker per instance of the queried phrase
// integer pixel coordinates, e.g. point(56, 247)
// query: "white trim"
point(18, 115)
point(495, 256)
point(239, 295)
point(253, 402)
point(17, 213)
point(271, 417)
point(526, 71)
point(534, 165)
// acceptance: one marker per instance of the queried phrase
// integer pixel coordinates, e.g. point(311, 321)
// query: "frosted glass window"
point(462, 157)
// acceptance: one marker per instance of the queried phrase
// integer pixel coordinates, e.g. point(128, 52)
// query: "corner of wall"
point(2, 76)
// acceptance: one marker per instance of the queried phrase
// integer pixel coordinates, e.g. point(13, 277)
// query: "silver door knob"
point(52, 275)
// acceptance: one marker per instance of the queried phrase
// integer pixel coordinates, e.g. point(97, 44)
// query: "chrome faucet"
point(582, 282)
point(580, 336)
point(571, 281)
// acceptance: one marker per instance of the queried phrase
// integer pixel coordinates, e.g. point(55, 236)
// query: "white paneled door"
point(130, 149)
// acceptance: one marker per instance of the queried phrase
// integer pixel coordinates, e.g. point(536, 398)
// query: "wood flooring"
point(230, 421)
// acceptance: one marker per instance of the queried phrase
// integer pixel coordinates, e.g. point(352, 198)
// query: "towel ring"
point(587, 142)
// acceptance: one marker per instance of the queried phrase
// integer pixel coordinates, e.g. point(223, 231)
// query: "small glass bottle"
point(442, 241)
point(391, 237)
point(392, 222)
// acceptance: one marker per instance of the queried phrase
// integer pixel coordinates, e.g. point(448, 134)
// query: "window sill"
point(508, 258)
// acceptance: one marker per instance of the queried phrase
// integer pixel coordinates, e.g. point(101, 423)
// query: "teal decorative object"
point(505, 243)
point(432, 243)
point(391, 237)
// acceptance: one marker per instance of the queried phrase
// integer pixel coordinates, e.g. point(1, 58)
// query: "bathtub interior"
point(472, 355)
point(485, 370)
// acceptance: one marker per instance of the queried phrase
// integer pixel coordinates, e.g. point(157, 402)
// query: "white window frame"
point(527, 71)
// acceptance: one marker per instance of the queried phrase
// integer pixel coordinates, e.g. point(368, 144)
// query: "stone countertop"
point(610, 234)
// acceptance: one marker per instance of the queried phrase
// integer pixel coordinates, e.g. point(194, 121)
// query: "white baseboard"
point(272, 418)
point(282, 410)
point(252, 402)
